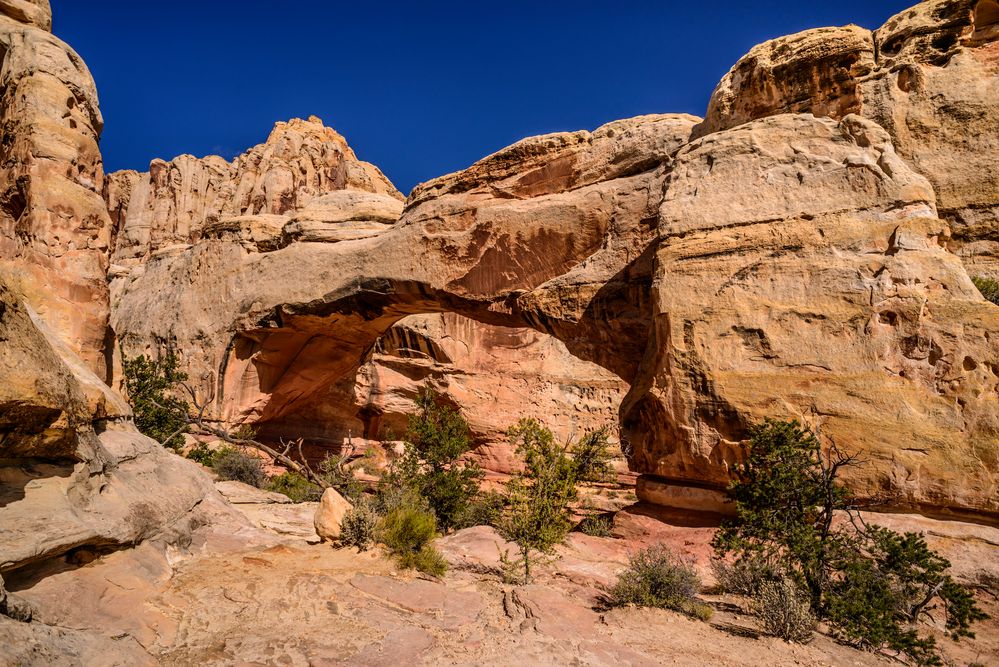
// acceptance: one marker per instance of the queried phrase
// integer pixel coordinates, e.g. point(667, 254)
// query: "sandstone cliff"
point(74, 473)
point(496, 374)
point(929, 76)
point(54, 226)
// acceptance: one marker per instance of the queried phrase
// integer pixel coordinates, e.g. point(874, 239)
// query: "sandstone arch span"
point(788, 266)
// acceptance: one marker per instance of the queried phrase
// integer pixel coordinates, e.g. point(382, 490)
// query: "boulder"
point(329, 515)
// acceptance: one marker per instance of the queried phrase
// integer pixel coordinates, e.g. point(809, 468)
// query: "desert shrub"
point(392, 497)
point(988, 287)
point(436, 438)
point(596, 525)
point(537, 516)
point(359, 526)
point(592, 457)
point(486, 509)
point(203, 454)
point(295, 486)
point(233, 464)
point(427, 560)
point(870, 584)
point(408, 532)
point(784, 610)
point(743, 577)
point(149, 385)
point(657, 577)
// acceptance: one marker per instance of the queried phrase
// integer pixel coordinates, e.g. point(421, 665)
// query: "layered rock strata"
point(787, 266)
point(76, 478)
point(54, 225)
point(929, 76)
point(474, 361)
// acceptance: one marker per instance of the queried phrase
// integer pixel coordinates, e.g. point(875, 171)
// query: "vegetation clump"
point(870, 584)
point(408, 533)
point(656, 577)
point(233, 464)
point(436, 439)
point(359, 526)
point(988, 287)
point(597, 525)
point(784, 610)
point(149, 384)
point(537, 516)
point(295, 486)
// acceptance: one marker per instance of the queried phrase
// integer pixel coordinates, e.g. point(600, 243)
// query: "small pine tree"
point(538, 517)
point(870, 584)
point(148, 385)
point(436, 439)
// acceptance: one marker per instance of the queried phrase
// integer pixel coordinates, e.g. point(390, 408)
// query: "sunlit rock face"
point(787, 265)
point(54, 227)
point(74, 473)
point(344, 371)
point(929, 76)
point(801, 272)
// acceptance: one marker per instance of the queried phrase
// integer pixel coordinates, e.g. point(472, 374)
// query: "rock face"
point(929, 76)
point(485, 369)
point(76, 479)
point(177, 201)
point(342, 383)
point(801, 273)
point(54, 226)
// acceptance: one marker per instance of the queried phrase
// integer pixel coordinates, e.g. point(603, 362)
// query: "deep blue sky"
point(419, 88)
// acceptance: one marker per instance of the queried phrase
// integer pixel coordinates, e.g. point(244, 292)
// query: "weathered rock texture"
point(930, 76)
point(54, 226)
point(761, 262)
point(76, 479)
point(800, 272)
point(177, 202)
point(497, 374)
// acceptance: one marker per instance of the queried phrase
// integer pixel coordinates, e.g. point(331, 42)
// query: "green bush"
point(870, 584)
point(988, 287)
point(485, 510)
point(232, 464)
point(427, 560)
point(784, 610)
point(597, 525)
point(295, 486)
point(149, 385)
point(656, 577)
point(359, 526)
point(537, 516)
point(436, 438)
point(408, 533)
point(203, 454)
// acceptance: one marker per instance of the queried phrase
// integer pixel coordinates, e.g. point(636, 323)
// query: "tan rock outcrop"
point(301, 161)
point(800, 273)
point(76, 479)
point(556, 200)
point(54, 226)
point(36, 13)
point(930, 76)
